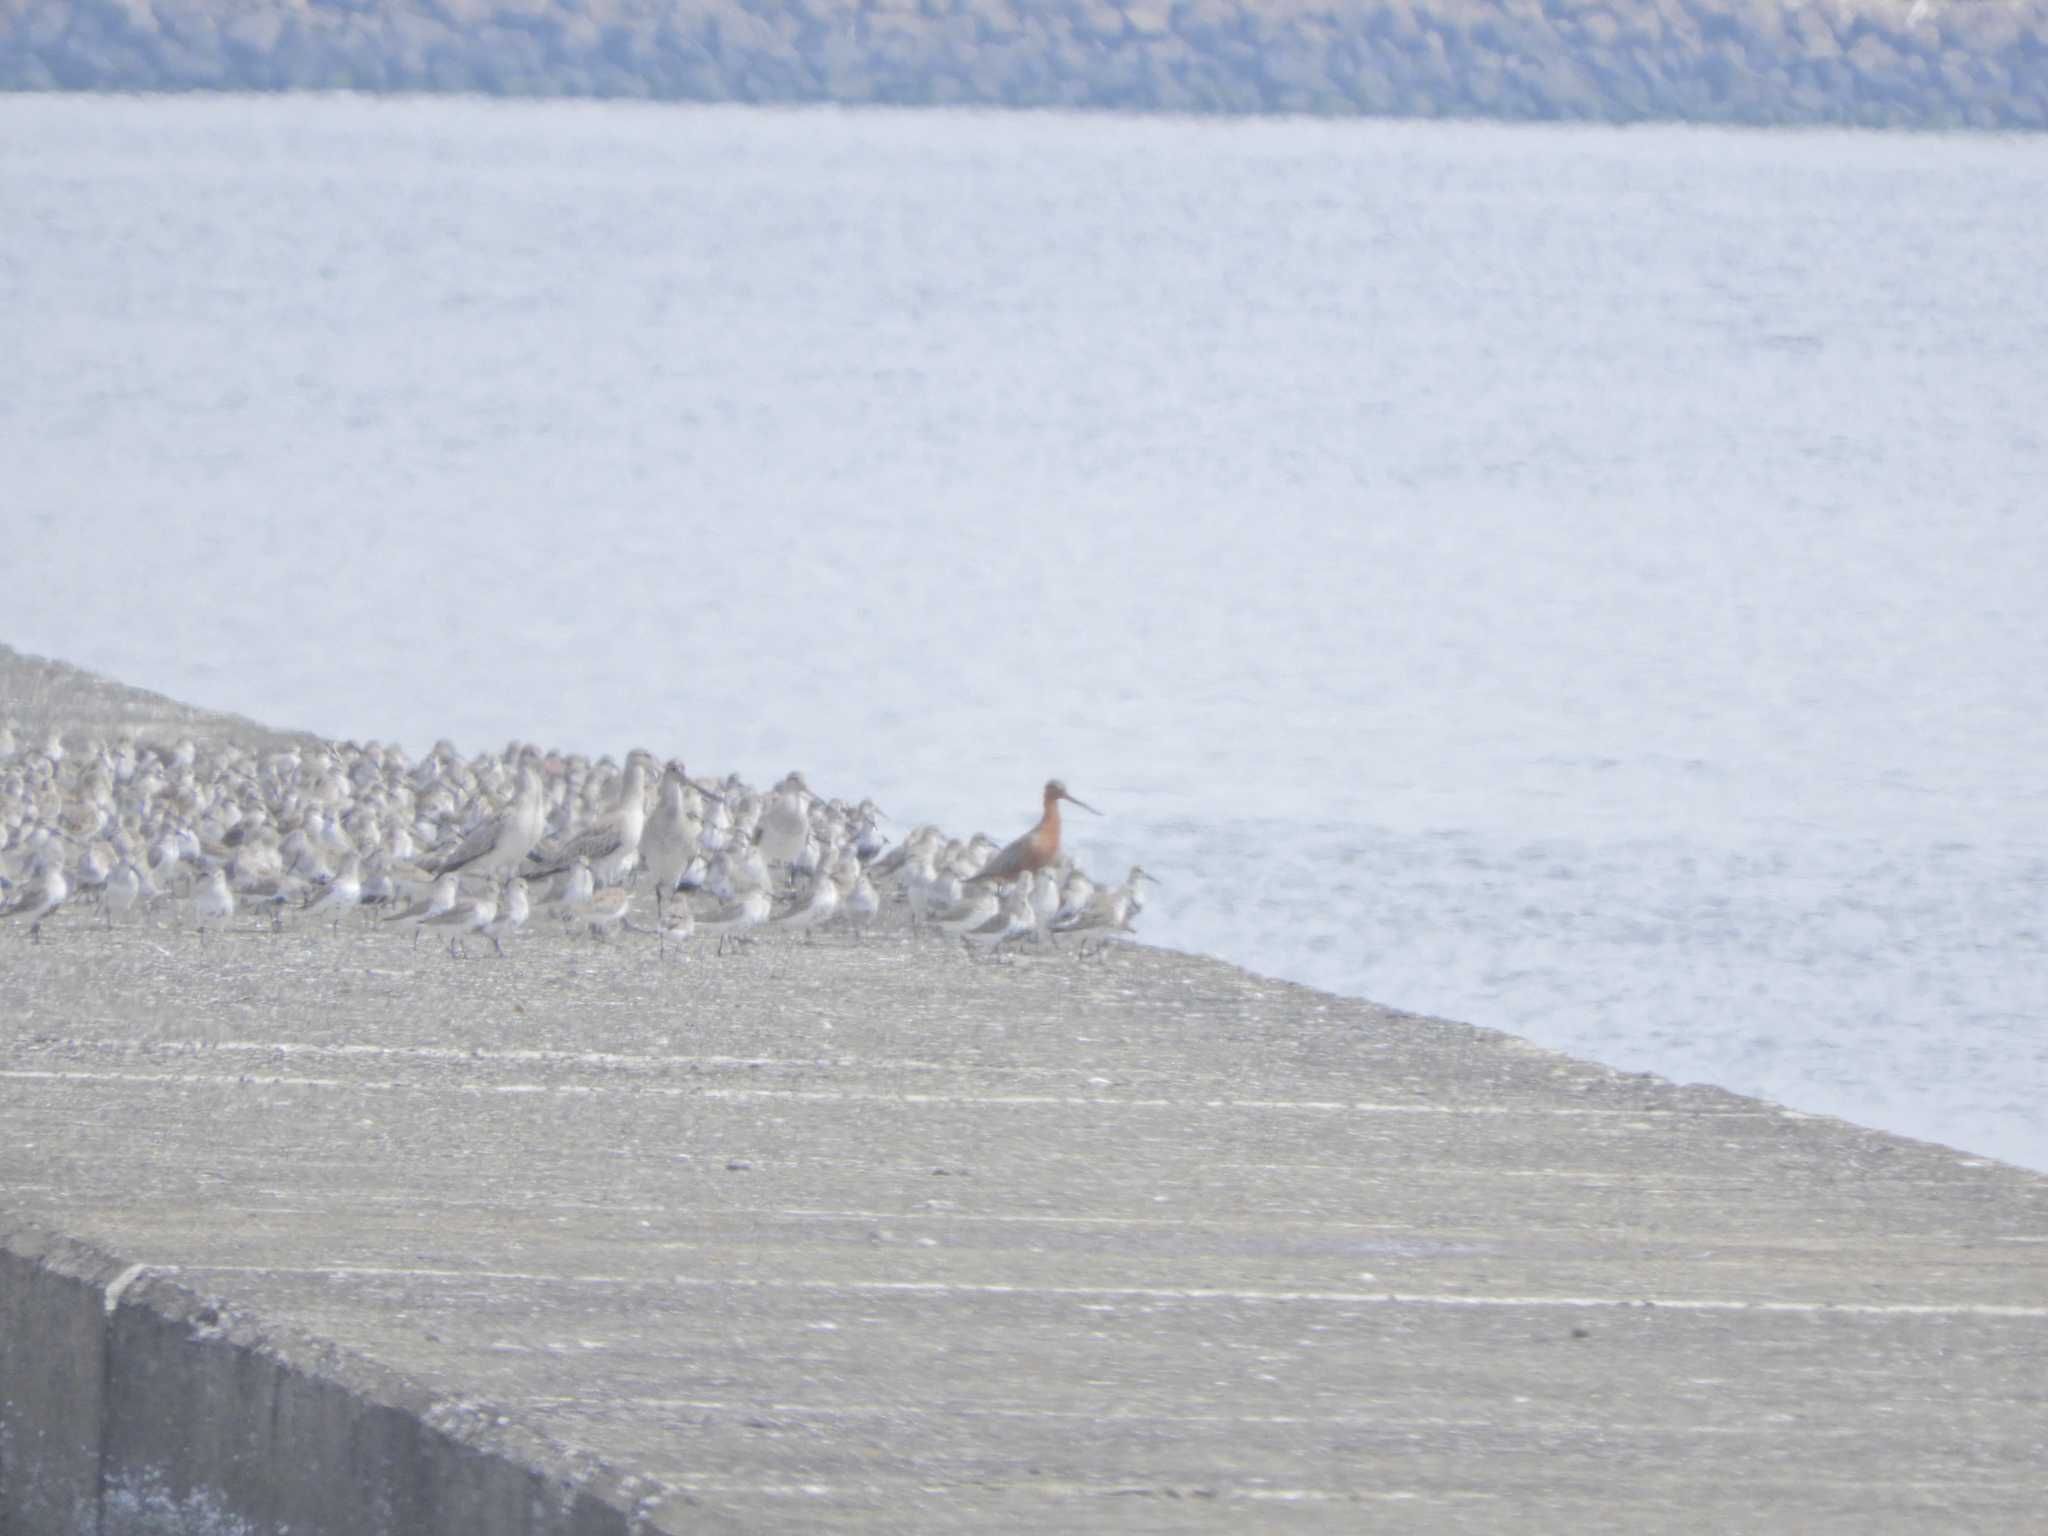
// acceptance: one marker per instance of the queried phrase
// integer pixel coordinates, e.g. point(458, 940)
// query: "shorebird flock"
point(211, 836)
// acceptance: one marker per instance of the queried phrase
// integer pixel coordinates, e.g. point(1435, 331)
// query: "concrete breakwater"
point(314, 1230)
point(1912, 63)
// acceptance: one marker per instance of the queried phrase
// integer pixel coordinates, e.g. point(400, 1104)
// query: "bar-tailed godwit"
point(1036, 848)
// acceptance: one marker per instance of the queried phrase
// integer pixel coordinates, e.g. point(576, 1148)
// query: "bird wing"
point(1006, 863)
point(480, 841)
point(31, 895)
point(592, 843)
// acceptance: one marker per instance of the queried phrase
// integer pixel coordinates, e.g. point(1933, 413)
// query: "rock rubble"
point(1895, 63)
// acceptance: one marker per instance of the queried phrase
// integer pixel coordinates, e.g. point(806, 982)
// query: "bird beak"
point(1148, 875)
point(708, 794)
point(1083, 804)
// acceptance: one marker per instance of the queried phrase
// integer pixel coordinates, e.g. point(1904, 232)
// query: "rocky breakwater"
point(1916, 63)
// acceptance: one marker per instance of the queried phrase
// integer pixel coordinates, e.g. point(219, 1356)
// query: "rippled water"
point(1585, 582)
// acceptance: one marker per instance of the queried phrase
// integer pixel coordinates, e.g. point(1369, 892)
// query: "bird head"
point(1055, 790)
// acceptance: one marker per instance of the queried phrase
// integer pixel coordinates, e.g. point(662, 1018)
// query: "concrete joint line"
point(852, 1096)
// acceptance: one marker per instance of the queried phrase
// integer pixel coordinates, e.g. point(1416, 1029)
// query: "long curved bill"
point(1081, 803)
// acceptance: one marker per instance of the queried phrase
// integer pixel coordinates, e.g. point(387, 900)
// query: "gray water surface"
point(1581, 581)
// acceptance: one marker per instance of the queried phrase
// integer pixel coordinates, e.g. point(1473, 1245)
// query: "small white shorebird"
point(436, 902)
point(41, 896)
point(569, 894)
point(124, 887)
point(930, 889)
point(868, 841)
point(1013, 919)
point(513, 907)
point(821, 907)
point(468, 916)
point(975, 908)
point(1045, 900)
point(678, 926)
point(380, 883)
point(606, 911)
point(341, 895)
point(786, 822)
point(749, 869)
point(718, 827)
point(94, 865)
point(212, 899)
point(1108, 912)
point(862, 904)
point(271, 893)
point(734, 918)
point(1075, 893)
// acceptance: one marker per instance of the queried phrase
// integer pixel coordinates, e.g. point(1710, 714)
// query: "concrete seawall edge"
point(131, 1404)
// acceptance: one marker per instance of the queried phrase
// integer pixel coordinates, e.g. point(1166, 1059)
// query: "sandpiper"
point(822, 904)
point(786, 822)
point(734, 918)
point(435, 903)
point(124, 887)
point(978, 906)
point(41, 896)
point(341, 895)
point(497, 846)
point(1013, 919)
point(212, 899)
point(611, 844)
point(513, 907)
point(465, 917)
point(679, 926)
point(1108, 912)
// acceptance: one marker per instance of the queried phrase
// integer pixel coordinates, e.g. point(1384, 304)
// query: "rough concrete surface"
point(316, 1230)
point(41, 695)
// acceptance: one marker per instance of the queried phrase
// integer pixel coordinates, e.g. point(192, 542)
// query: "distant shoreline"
point(1934, 64)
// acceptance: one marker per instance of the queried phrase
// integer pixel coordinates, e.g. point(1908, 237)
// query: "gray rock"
point(1963, 62)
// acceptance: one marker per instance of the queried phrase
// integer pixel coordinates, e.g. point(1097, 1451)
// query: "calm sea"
point(1580, 581)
